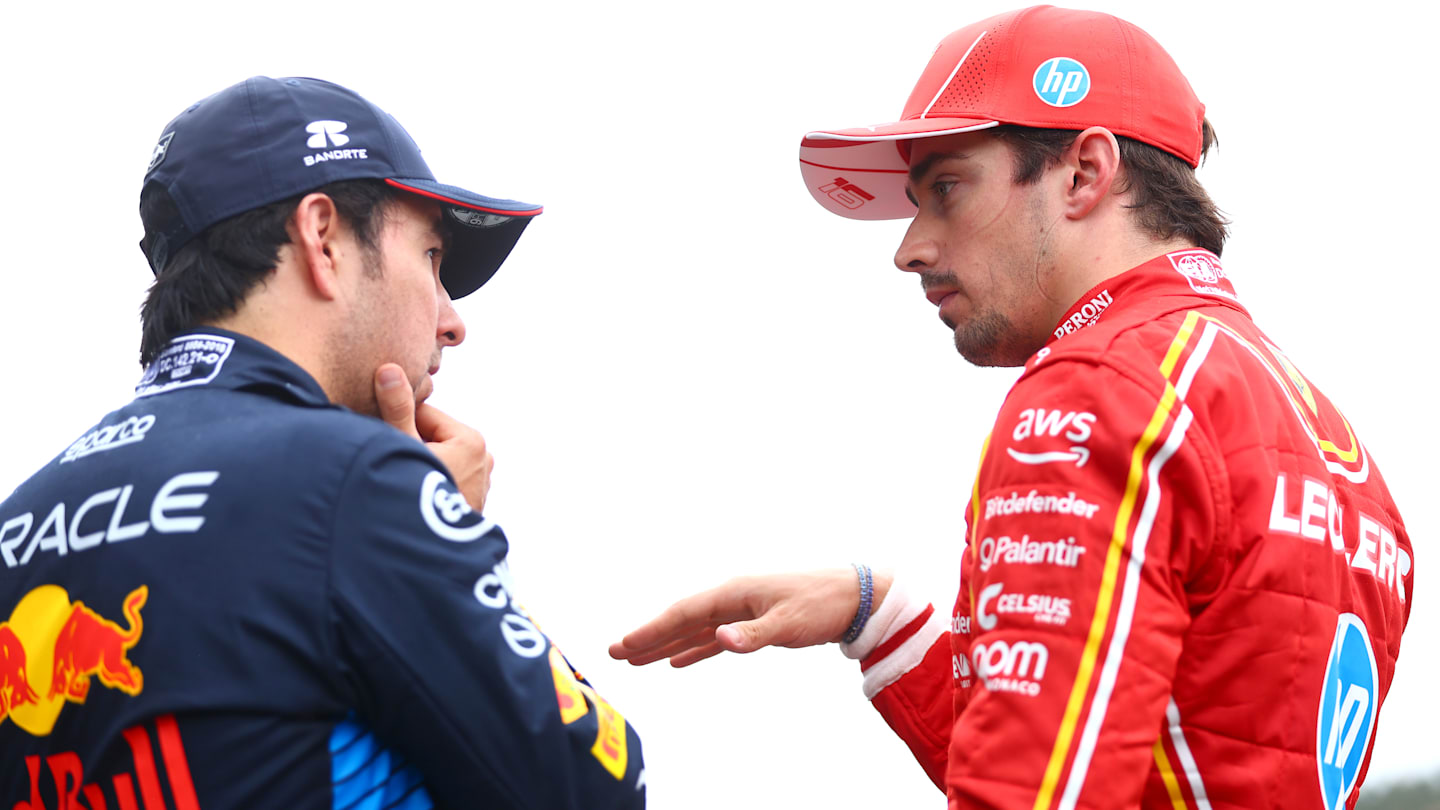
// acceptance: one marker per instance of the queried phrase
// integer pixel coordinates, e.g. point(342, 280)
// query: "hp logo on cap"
point(1061, 82)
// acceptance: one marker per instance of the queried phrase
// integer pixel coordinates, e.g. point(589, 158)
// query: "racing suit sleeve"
point(1094, 503)
point(445, 663)
point(906, 659)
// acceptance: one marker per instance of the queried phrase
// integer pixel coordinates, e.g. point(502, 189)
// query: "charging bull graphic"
point(92, 645)
point(15, 688)
point(51, 640)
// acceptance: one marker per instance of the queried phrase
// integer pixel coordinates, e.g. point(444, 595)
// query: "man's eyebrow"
point(922, 168)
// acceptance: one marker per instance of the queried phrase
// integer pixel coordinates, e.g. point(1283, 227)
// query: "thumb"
point(396, 399)
point(433, 424)
point(742, 637)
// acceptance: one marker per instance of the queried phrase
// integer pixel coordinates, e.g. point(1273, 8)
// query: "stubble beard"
point(989, 337)
point(981, 339)
point(351, 352)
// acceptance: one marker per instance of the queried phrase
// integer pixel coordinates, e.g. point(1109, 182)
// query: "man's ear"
point(1092, 164)
point(315, 233)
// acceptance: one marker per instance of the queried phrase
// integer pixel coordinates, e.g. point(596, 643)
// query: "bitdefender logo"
point(330, 133)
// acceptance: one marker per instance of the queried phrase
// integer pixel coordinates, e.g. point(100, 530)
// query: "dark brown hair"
point(1164, 192)
point(211, 275)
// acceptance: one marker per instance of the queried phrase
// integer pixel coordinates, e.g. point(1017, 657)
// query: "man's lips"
point(938, 296)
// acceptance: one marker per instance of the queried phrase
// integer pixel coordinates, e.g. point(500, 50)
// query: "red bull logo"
point(50, 640)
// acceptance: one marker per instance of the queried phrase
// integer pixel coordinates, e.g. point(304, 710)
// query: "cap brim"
point(483, 231)
point(860, 173)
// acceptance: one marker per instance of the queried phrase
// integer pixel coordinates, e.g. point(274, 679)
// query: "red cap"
point(1043, 67)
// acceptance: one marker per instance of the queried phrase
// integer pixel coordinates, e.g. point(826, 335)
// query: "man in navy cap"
point(243, 589)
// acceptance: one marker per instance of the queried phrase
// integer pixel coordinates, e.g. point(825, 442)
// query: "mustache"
point(939, 280)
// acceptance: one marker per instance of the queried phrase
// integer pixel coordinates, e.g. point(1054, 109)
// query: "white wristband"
point(898, 610)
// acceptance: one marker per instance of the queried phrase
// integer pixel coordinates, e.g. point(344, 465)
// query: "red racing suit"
point(1184, 583)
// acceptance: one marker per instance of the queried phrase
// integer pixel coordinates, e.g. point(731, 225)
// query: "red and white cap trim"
point(1042, 67)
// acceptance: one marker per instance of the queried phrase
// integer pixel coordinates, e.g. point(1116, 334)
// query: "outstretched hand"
point(747, 613)
point(460, 447)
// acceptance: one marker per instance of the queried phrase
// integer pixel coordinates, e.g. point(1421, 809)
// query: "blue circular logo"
point(1061, 82)
point(1348, 703)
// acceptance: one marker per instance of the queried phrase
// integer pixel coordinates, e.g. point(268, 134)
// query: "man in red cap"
point(1184, 581)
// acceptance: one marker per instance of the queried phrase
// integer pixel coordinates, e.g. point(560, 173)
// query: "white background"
point(688, 370)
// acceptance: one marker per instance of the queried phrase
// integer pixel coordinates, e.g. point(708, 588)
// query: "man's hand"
point(747, 613)
point(460, 448)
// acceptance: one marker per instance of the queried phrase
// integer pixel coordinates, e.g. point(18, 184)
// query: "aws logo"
point(1348, 704)
point(52, 648)
point(1038, 422)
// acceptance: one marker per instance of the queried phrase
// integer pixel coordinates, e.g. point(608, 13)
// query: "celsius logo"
point(320, 130)
point(1045, 609)
point(1348, 705)
point(447, 513)
point(1061, 82)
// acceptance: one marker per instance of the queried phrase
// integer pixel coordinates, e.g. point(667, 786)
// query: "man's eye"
point(942, 187)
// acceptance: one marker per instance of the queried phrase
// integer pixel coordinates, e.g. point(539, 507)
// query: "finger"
point(696, 655)
point(436, 425)
point(702, 638)
point(744, 637)
point(627, 648)
point(715, 606)
point(396, 399)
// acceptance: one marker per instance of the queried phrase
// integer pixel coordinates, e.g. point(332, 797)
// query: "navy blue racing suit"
point(231, 593)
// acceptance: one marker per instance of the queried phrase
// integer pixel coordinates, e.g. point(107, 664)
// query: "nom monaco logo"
point(52, 649)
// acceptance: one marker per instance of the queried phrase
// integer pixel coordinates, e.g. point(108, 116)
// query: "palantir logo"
point(321, 130)
point(1061, 82)
point(1347, 710)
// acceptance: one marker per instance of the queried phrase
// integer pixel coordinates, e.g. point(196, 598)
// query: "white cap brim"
point(860, 173)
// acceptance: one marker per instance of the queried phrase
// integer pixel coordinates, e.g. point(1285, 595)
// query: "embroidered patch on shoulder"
point(1202, 269)
point(187, 361)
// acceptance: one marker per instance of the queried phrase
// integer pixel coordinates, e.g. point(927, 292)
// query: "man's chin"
point(424, 389)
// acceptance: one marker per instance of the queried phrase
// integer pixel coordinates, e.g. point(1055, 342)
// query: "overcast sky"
point(688, 370)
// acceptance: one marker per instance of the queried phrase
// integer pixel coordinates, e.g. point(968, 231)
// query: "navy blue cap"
point(264, 140)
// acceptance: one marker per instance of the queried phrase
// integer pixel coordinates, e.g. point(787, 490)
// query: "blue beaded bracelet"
point(867, 594)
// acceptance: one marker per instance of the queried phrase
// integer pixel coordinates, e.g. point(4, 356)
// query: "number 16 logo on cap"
point(1061, 82)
